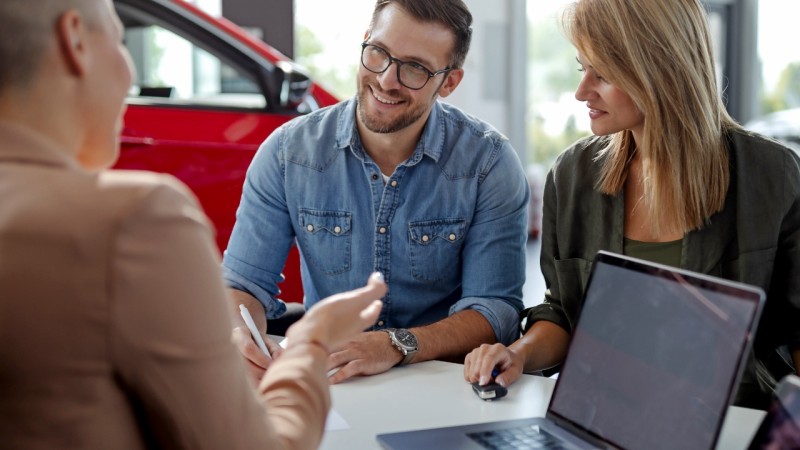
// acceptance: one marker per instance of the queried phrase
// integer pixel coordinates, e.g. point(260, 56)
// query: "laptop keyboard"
point(520, 438)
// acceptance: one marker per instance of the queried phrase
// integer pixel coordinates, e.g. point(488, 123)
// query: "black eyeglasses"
point(410, 74)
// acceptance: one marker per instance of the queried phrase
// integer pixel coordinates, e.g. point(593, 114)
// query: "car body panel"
point(208, 142)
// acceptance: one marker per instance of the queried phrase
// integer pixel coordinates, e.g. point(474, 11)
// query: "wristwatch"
point(405, 341)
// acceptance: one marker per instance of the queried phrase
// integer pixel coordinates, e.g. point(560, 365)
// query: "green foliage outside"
point(552, 76)
point(340, 80)
point(786, 93)
point(543, 148)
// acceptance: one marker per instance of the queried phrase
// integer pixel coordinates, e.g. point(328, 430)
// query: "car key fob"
point(489, 391)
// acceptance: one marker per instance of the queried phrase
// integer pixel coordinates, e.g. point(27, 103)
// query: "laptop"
point(780, 428)
point(654, 362)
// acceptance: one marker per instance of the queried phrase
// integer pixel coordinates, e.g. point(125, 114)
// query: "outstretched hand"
point(339, 318)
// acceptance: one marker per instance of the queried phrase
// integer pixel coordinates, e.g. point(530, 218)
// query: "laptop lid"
point(780, 428)
point(656, 355)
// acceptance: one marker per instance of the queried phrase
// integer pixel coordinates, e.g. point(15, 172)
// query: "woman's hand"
point(481, 362)
point(339, 318)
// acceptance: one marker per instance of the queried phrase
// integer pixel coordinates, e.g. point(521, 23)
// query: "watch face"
point(406, 338)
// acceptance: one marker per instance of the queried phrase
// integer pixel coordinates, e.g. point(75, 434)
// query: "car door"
point(201, 106)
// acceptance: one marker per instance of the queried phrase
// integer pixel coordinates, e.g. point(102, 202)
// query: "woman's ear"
point(71, 33)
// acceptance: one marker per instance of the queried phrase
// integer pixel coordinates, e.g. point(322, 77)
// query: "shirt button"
point(310, 227)
point(337, 230)
point(374, 176)
point(452, 237)
point(382, 230)
point(394, 183)
point(425, 238)
point(380, 323)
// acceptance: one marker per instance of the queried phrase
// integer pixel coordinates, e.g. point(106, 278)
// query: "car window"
point(173, 69)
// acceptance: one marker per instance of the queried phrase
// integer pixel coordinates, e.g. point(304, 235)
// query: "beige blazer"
point(114, 331)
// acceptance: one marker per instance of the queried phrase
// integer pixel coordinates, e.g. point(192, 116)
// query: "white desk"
point(434, 394)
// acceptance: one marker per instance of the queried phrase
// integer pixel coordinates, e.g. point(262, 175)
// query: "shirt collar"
point(430, 144)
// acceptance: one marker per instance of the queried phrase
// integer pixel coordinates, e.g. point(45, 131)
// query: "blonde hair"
point(660, 53)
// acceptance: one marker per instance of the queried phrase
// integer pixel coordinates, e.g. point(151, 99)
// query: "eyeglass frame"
point(399, 63)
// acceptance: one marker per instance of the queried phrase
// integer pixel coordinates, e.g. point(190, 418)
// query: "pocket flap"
point(449, 230)
point(335, 222)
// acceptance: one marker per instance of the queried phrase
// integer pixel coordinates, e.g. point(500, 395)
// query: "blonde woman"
point(669, 177)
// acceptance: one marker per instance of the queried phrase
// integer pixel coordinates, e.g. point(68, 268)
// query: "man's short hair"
point(26, 28)
point(453, 14)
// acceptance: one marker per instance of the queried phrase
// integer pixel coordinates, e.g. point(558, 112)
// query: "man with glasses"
point(397, 182)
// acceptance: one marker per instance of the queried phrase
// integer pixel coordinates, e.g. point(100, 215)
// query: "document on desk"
point(336, 421)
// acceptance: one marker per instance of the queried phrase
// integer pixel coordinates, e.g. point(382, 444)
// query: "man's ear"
point(71, 33)
point(451, 82)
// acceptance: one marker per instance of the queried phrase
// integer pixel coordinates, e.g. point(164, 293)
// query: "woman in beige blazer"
point(113, 330)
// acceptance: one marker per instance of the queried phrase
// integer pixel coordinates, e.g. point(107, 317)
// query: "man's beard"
point(377, 126)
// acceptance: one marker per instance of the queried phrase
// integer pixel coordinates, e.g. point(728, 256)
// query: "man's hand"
point(369, 353)
point(256, 361)
point(485, 360)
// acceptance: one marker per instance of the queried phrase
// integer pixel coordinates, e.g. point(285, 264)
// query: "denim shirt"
point(447, 230)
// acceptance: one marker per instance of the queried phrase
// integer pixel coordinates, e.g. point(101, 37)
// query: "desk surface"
point(434, 394)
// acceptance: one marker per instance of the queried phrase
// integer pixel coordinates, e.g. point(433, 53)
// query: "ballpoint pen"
point(248, 320)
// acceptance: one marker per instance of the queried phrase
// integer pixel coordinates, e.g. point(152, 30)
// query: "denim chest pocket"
point(435, 248)
point(325, 239)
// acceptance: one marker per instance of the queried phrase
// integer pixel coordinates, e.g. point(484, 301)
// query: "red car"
point(208, 94)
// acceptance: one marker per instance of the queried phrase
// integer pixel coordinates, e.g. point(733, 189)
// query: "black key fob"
point(489, 391)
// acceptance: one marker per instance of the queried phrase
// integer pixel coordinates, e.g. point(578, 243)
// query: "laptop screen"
point(655, 356)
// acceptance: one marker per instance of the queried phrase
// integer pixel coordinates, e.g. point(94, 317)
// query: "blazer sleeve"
point(552, 309)
point(170, 345)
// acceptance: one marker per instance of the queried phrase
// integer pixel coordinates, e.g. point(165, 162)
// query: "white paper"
point(336, 422)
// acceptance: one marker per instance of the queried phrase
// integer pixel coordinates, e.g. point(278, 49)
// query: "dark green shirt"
point(667, 253)
point(755, 239)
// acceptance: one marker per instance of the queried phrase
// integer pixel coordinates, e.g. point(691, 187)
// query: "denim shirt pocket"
point(436, 248)
point(325, 239)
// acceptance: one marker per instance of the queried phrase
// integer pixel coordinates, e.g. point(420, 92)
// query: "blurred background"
point(194, 73)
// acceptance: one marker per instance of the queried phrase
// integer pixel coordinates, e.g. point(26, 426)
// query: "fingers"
point(509, 376)
point(341, 317)
point(374, 289)
point(358, 367)
point(274, 348)
point(480, 364)
point(370, 296)
point(370, 314)
point(254, 372)
point(345, 372)
point(368, 354)
point(244, 342)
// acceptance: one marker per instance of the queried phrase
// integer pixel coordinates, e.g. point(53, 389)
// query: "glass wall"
point(779, 67)
point(554, 119)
